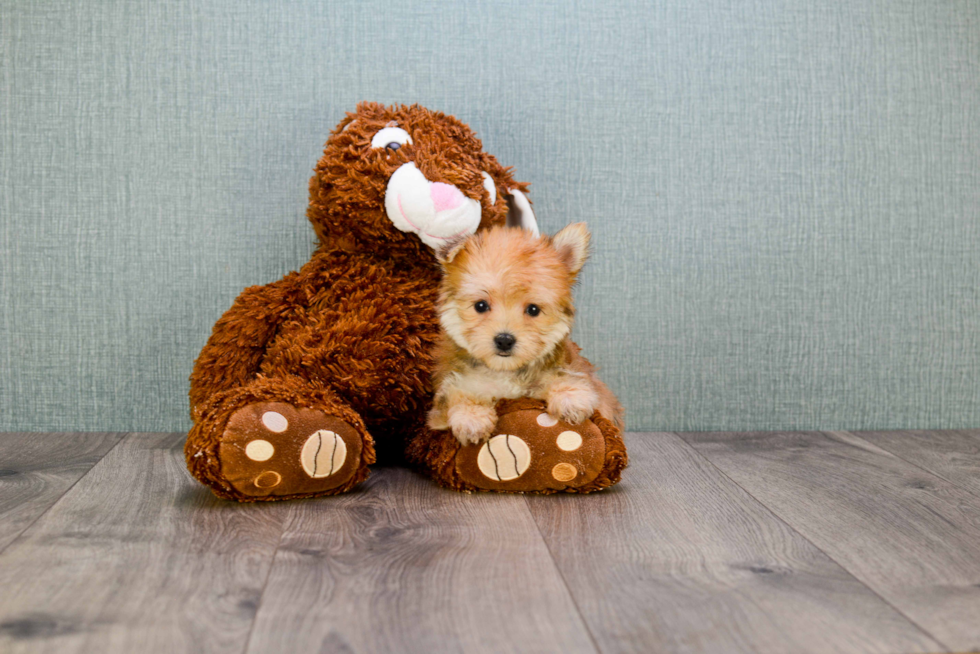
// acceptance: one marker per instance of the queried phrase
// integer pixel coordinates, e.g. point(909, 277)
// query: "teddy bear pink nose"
point(445, 196)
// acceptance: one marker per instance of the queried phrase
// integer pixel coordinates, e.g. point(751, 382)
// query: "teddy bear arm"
point(237, 345)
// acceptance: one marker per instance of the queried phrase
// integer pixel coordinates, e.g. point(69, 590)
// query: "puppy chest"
point(491, 385)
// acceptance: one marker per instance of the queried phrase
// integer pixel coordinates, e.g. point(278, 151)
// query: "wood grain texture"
point(36, 469)
point(137, 557)
point(404, 566)
point(710, 548)
point(952, 455)
point(907, 534)
point(678, 558)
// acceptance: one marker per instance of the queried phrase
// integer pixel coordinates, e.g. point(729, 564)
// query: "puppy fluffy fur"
point(508, 281)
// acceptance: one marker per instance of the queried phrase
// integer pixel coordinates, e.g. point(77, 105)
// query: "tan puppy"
point(506, 311)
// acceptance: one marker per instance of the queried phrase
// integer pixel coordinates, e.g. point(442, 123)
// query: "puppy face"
point(506, 296)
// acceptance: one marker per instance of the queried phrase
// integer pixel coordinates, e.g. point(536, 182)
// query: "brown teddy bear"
point(303, 378)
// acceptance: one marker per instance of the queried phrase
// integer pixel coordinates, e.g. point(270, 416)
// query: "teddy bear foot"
point(272, 450)
point(530, 451)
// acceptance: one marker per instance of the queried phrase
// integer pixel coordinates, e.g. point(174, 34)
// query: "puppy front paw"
point(573, 404)
point(472, 423)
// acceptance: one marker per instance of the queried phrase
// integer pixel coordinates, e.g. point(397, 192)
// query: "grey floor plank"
point(404, 566)
point(952, 455)
point(909, 535)
point(137, 557)
point(36, 469)
point(678, 558)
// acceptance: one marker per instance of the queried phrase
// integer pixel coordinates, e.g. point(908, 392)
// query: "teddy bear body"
point(302, 376)
point(365, 331)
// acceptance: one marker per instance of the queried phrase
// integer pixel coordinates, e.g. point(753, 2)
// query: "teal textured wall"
point(785, 196)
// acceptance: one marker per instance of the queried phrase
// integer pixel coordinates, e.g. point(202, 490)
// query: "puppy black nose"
point(504, 341)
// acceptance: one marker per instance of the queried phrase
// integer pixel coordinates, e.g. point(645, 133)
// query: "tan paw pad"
point(268, 479)
point(259, 450)
point(569, 441)
point(323, 453)
point(275, 421)
point(504, 457)
point(545, 420)
point(564, 472)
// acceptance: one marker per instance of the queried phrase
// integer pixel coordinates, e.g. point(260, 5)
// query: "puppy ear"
point(572, 244)
point(448, 250)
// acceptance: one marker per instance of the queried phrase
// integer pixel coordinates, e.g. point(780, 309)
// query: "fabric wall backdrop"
point(785, 196)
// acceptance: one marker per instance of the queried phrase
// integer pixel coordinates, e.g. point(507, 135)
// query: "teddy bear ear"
point(519, 213)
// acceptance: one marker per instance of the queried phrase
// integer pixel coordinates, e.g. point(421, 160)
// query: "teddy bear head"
point(403, 181)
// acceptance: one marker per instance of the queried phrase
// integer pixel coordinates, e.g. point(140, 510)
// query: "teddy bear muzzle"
point(435, 211)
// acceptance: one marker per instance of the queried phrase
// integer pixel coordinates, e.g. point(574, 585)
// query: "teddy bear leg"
point(529, 452)
point(276, 439)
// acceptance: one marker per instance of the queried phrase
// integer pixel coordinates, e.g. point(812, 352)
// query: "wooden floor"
point(762, 542)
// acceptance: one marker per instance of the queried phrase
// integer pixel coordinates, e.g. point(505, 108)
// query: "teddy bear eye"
point(482, 306)
point(533, 310)
point(391, 136)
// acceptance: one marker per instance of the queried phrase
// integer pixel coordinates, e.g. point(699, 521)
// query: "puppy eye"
point(391, 138)
point(532, 310)
point(481, 306)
